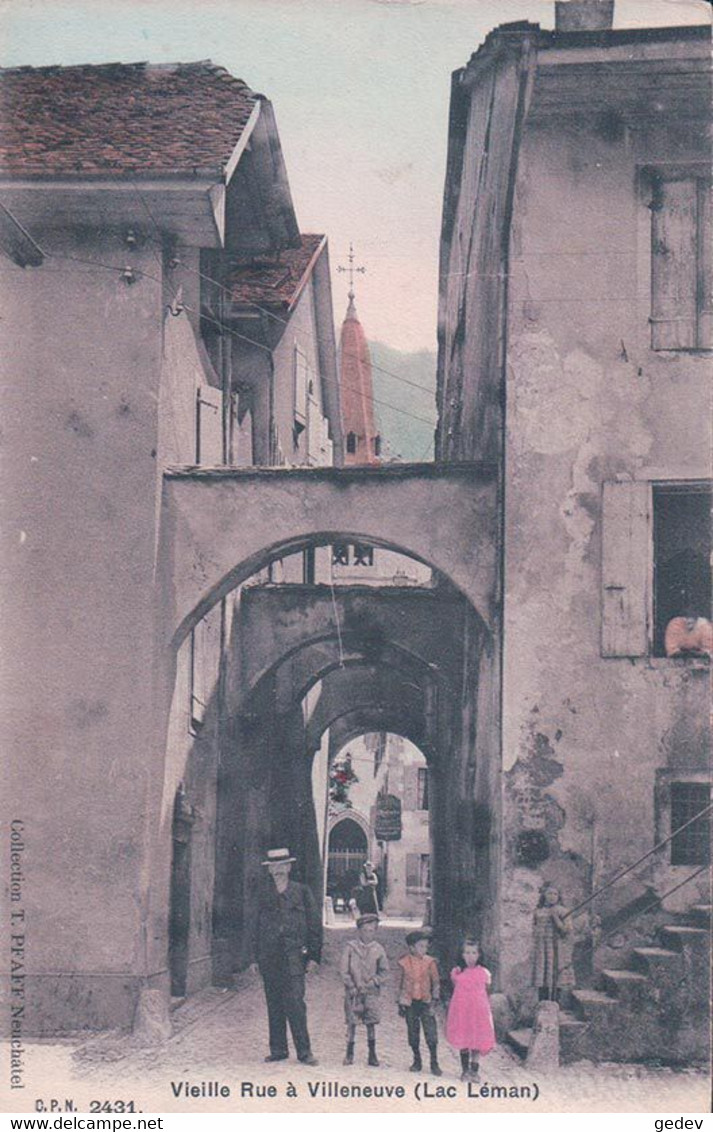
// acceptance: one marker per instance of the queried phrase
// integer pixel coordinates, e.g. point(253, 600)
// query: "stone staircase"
point(657, 1008)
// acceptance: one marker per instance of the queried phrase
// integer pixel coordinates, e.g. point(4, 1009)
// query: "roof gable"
point(118, 119)
point(277, 281)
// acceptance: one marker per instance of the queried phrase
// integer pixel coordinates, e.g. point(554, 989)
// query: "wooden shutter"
point(705, 264)
point(410, 795)
point(674, 266)
point(626, 555)
point(413, 870)
point(209, 426)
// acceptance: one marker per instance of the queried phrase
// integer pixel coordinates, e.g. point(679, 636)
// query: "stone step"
point(685, 936)
point(520, 1040)
point(590, 1003)
point(700, 915)
point(570, 1029)
point(655, 960)
point(624, 984)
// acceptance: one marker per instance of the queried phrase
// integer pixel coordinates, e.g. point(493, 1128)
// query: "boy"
point(363, 968)
point(419, 988)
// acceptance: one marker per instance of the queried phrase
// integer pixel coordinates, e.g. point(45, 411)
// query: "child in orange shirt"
point(419, 988)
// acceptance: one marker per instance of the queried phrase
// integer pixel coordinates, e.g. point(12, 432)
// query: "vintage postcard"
point(356, 556)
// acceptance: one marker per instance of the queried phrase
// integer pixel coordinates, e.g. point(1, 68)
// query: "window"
point(308, 566)
point(660, 531)
point(363, 555)
point(351, 443)
point(693, 845)
point(682, 568)
point(301, 384)
point(377, 445)
point(418, 870)
point(681, 251)
point(422, 789)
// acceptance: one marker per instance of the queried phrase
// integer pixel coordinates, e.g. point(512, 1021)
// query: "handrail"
point(655, 904)
point(635, 865)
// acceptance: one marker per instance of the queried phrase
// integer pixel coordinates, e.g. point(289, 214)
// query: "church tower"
point(362, 444)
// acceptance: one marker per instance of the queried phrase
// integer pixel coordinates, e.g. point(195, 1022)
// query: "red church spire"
point(361, 441)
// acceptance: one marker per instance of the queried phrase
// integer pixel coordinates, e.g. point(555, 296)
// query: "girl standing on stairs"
point(469, 1025)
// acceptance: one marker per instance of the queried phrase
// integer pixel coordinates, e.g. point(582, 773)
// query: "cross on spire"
point(352, 270)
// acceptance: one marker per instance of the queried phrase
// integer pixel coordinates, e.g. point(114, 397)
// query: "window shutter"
point(674, 266)
point(626, 555)
point(410, 797)
point(705, 264)
point(413, 870)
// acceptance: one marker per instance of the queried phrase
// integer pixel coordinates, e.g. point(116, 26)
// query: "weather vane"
point(352, 270)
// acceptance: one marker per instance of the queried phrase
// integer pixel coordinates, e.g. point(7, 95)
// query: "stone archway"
point(220, 526)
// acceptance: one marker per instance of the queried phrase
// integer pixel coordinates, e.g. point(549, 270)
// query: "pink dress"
point(469, 1024)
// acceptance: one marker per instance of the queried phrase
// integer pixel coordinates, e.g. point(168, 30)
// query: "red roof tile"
point(118, 118)
point(277, 281)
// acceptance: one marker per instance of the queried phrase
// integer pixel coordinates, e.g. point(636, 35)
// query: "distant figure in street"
point(363, 968)
point(469, 1025)
point(419, 988)
point(365, 897)
point(286, 941)
point(552, 964)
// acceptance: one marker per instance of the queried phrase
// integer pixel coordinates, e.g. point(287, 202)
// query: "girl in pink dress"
point(469, 1025)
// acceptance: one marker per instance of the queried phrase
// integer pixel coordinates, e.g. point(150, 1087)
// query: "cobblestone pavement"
point(221, 1036)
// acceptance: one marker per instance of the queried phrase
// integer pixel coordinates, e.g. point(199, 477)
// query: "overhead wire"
point(285, 322)
point(271, 314)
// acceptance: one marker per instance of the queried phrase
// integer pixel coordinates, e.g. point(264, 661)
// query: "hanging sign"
point(387, 825)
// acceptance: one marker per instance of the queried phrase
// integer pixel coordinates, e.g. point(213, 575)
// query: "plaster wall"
point(588, 401)
point(80, 392)
point(300, 334)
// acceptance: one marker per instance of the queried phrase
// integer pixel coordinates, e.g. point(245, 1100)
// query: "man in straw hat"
point(286, 942)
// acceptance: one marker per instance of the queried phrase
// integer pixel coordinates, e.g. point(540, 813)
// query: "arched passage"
point(222, 525)
point(444, 520)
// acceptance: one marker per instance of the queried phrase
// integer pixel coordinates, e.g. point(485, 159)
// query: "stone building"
point(144, 210)
point(574, 350)
point(173, 430)
point(384, 765)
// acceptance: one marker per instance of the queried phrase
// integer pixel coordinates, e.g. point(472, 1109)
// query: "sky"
point(360, 90)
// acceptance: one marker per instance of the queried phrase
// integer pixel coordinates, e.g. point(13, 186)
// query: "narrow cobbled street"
point(221, 1036)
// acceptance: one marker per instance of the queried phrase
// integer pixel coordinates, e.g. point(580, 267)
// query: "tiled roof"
point(118, 118)
point(274, 282)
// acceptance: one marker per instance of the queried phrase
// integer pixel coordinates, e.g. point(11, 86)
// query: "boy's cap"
point(414, 937)
point(367, 918)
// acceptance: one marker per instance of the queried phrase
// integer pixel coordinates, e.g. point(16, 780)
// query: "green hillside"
point(403, 437)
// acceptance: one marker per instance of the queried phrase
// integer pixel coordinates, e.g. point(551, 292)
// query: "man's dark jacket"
point(285, 924)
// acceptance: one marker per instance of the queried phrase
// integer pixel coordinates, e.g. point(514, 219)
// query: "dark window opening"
point(422, 789)
point(351, 443)
point(692, 846)
point(363, 555)
point(682, 569)
point(308, 566)
point(377, 445)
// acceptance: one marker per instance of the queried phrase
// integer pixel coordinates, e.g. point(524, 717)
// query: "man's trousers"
point(284, 981)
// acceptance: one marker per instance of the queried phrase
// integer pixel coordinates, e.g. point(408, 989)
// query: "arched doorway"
point(364, 660)
point(347, 851)
point(389, 796)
